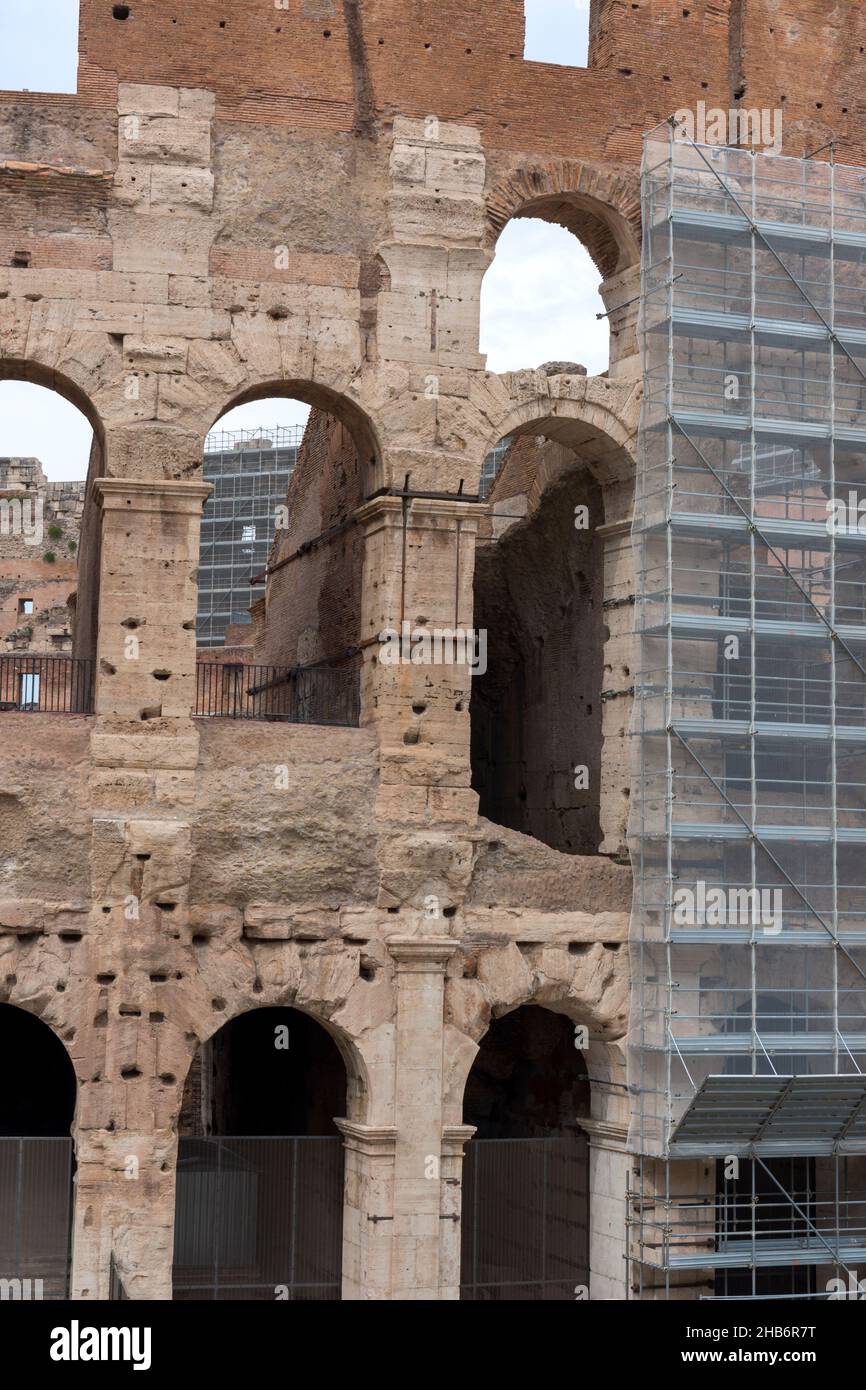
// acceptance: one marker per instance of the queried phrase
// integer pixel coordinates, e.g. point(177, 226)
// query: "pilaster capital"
point(454, 1138)
point(151, 494)
point(375, 1141)
point(604, 1134)
point(421, 954)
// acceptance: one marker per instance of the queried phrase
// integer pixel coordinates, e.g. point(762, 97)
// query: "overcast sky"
point(539, 298)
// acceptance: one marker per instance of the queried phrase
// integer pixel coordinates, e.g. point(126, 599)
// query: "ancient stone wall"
point(250, 200)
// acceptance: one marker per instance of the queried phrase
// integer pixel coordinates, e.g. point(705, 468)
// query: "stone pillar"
point(368, 1210)
point(617, 695)
point(418, 1105)
point(621, 297)
point(148, 598)
point(124, 1207)
point(419, 561)
point(609, 1162)
point(454, 1140)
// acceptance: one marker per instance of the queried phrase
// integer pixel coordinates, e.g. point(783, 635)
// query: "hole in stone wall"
point(535, 713)
point(39, 46)
point(539, 300)
point(557, 33)
point(121, 12)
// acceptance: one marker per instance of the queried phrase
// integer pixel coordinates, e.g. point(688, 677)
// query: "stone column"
point(619, 658)
point(418, 1105)
point(454, 1141)
point(621, 296)
point(148, 597)
point(609, 1162)
point(419, 565)
point(124, 1207)
point(368, 1210)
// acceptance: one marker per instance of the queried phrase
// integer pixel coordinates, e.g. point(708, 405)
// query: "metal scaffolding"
point(250, 472)
point(748, 1046)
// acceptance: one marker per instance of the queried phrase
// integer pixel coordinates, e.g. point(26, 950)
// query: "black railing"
point(525, 1221)
point(296, 694)
point(46, 685)
point(35, 1218)
point(259, 1219)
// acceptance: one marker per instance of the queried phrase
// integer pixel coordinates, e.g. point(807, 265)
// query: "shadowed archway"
point(37, 1106)
point(259, 1202)
point(525, 1223)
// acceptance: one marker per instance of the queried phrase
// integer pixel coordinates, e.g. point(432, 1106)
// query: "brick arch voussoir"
point(602, 209)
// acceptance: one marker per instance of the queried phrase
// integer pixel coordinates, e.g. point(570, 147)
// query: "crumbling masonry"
point(251, 200)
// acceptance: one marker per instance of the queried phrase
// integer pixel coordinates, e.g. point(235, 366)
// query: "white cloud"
point(539, 301)
point(37, 423)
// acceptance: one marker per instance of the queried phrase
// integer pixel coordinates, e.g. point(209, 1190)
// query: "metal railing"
point(46, 685)
point(35, 1218)
point(292, 694)
point(256, 441)
point(259, 1219)
point(525, 1220)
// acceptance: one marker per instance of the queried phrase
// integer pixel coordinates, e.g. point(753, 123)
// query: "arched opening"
point(543, 293)
point(51, 449)
point(37, 1106)
point(259, 1203)
point(39, 46)
point(281, 557)
point(536, 713)
point(525, 1214)
point(540, 299)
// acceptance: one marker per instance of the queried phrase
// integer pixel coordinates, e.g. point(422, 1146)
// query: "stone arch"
point(589, 987)
point(261, 1184)
point(323, 981)
point(79, 382)
point(591, 416)
point(350, 1055)
point(37, 1121)
point(307, 611)
point(323, 396)
point(557, 513)
point(601, 209)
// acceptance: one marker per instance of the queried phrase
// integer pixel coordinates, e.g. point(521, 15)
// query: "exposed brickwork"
point(304, 202)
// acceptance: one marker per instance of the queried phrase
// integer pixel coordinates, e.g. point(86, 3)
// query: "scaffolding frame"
point(250, 472)
point(748, 1042)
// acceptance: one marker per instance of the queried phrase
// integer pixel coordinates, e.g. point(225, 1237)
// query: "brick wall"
point(313, 600)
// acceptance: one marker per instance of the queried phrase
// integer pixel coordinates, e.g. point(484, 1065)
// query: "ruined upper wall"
point(341, 65)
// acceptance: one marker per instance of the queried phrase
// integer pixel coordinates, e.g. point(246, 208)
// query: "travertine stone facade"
point(306, 205)
point(40, 523)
